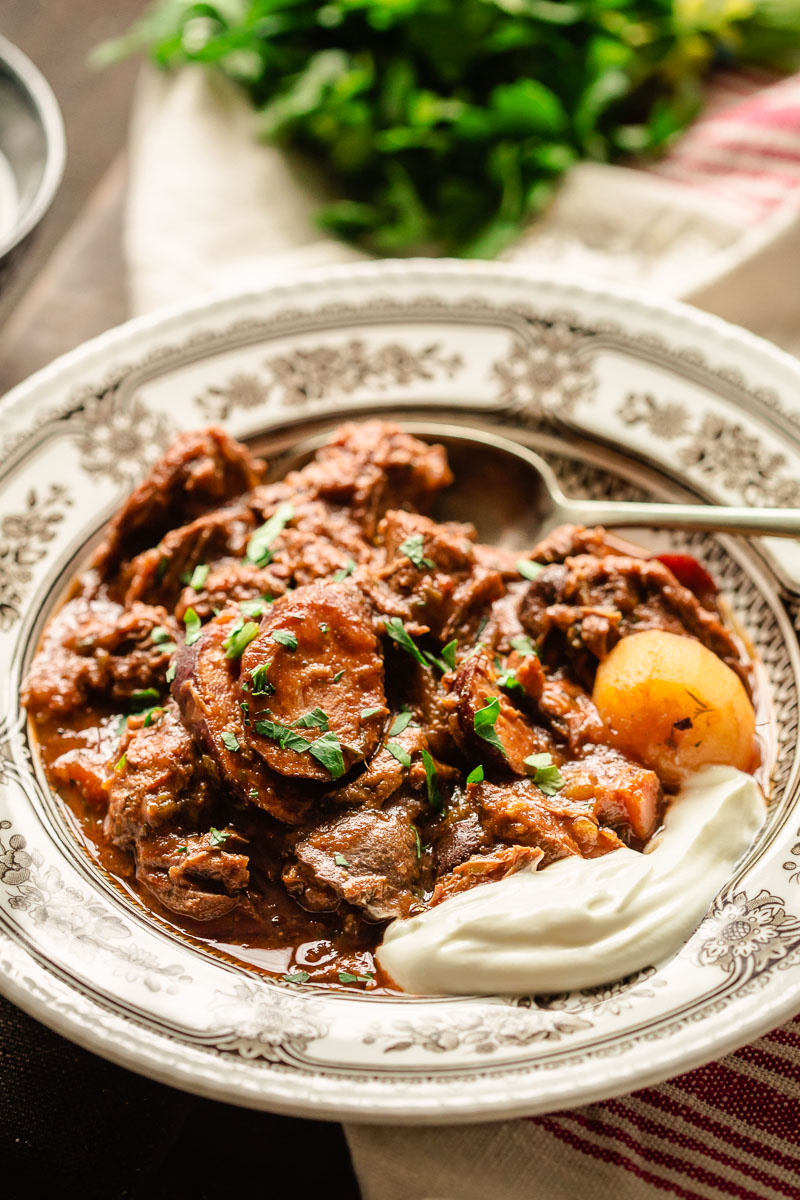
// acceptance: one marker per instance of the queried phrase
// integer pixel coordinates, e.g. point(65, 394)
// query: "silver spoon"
point(514, 499)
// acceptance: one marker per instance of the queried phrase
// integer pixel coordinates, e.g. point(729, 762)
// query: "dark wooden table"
point(71, 1124)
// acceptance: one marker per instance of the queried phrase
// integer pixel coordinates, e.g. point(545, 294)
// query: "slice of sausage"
point(207, 693)
point(316, 654)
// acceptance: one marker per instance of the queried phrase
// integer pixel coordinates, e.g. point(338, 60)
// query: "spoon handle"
point(776, 522)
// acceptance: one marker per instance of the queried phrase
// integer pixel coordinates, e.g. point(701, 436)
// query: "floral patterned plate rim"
point(626, 397)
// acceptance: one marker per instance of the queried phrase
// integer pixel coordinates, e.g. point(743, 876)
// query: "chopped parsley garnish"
point(255, 608)
point(244, 705)
point(316, 719)
point(324, 627)
point(449, 653)
point(413, 548)
point(183, 849)
point(230, 740)
point(144, 699)
point(401, 721)
point(418, 840)
point(529, 569)
point(327, 751)
point(159, 635)
point(432, 782)
point(122, 725)
point(239, 638)
point(340, 575)
point(198, 576)
point(476, 774)
point(253, 793)
point(398, 752)
point(545, 773)
point(523, 645)
point(338, 675)
point(193, 626)
point(284, 638)
point(340, 860)
point(218, 836)
point(396, 630)
point(260, 684)
point(484, 723)
point(258, 547)
point(121, 763)
point(171, 671)
point(349, 977)
point(284, 735)
point(152, 716)
point(296, 977)
point(370, 712)
point(508, 679)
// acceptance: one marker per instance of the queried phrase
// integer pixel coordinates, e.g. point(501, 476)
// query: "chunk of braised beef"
point(590, 603)
point(229, 583)
point(496, 864)
point(368, 858)
point(621, 793)
point(473, 686)
point(203, 876)
point(206, 690)
point(200, 471)
point(521, 813)
point(570, 712)
point(322, 675)
point(88, 765)
point(156, 781)
point(159, 574)
point(567, 541)
point(93, 647)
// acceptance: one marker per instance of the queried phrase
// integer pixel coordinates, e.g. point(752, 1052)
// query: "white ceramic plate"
point(623, 396)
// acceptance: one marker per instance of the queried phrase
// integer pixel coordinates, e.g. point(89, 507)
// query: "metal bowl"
point(32, 152)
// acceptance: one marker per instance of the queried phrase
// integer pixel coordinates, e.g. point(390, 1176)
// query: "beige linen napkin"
point(717, 224)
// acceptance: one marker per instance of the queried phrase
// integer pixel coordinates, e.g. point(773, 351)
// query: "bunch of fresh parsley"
point(445, 125)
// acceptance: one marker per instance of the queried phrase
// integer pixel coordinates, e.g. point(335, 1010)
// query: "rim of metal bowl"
point(46, 106)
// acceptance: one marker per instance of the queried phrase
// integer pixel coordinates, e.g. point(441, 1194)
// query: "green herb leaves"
point(258, 547)
point(141, 701)
point(340, 860)
point(239, 638)
point(529, 569)
point(255, 608)
point(398, 752)
point(523, 645)
point(316, 719)
point(284, 735)
point(484, 724)
point(343, 572)
point(396, 630)
point(328, 752)
point(413, 548)
point(218, 837)
point(476, 774)
point(259, 684)
point(193, 626)
point(230, 740)
point(401, 722)
point(326, 749)
point(432, 781)
point(285, 638)
point(198, 576)
point(545, 773)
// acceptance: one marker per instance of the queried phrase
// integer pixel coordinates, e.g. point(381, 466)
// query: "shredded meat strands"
point(288, 712)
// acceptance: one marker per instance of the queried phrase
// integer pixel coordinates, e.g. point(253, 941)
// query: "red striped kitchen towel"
point(729, 1129)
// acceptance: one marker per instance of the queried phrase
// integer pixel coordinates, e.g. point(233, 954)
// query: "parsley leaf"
point(397, 751)
point(349, 977)
point(239, 638)
point(418, 841)
point(296, 977)
point(401, 721)
point(121, 764)
point(171, 671)
point(484, 723)
point(255, 608)
point(284, 638)
point(449, 653)
point(230, 740)
point(153, 715)
point(144, 699)
point(198, 576)
point(258, 547)
point(260, 684)
point(523, 645)
point(529, 569)
point(327, 751)
point(396, 630)
point(545, 773)
point(340, 860)
point(508, 679)
point(316, 719)
point(159, 635)
point(413, 548)
point(476, 774)
point(338, 675)
point(218, 837)
point(193, 626)
point(432, 782)
point(284, 735)
point(369, 712)
point(343, 572)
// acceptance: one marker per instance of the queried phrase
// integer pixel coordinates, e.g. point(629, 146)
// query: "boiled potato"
point(672, 704)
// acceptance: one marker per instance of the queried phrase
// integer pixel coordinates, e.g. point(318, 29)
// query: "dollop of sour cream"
point(584, 922)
